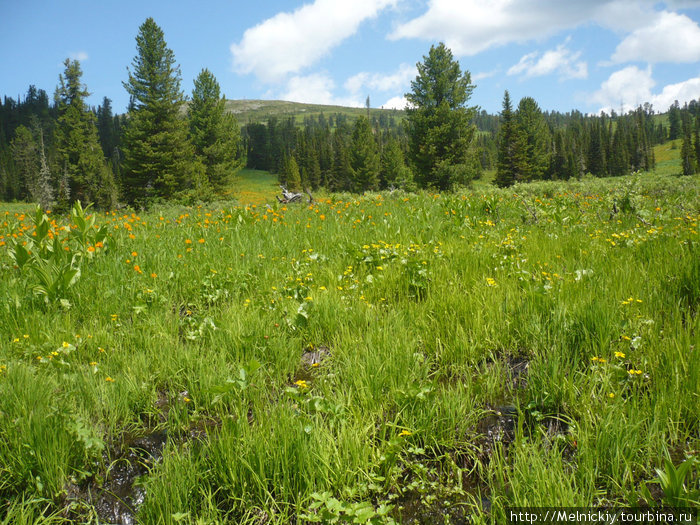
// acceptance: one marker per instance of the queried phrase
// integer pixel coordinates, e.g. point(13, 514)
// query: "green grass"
point(476, 351)
point(248, 111)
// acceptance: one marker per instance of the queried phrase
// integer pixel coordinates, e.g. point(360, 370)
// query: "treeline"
point(333, 152)
point(55, 153)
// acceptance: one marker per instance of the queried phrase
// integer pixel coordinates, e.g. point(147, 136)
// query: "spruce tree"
point(79, 155)
point(158, 156)
point(535, 136)
point(510, 147)
point(25, 153)
point(364, 157)
point(438, 120)
point(214, 133)
point(688, 157)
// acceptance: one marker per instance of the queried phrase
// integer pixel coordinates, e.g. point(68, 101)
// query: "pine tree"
point(158, 156)
point(364, 157)
point(674, 121)
point(688, 157)
point(292, 179)
point(341, 172)
point(214, 133)
point(438, 120)
point(79, 155)
point(510, 147)
point(394, 172)
point(535, 136)
point(25, 153)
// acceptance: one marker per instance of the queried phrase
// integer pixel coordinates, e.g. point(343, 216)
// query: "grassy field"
point(247, 111)
point(390, 358)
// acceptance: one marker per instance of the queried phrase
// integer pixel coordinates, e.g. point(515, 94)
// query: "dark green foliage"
point(688, 158)
point(80, 159)
point(25, 153)
point(214, 134)
point(438, 121)
point(674, 121)
point(158, 156)
point(364, 157)
point(511, 146)
point(394, 172)
point(290, 174)
point(535, 139)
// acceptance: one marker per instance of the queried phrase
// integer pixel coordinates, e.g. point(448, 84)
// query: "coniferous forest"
point(172, 145)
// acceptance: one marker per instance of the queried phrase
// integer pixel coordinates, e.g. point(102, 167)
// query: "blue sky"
point(567, 54)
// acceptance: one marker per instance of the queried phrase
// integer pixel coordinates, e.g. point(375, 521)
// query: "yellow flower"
point(109, 379)
point(611, 395)
point(65, 344)
point(405, 433)
point(621, 355)
point(301, 384)
point(490, 281)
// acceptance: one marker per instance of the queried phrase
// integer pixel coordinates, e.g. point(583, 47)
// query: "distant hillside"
point(247, 111)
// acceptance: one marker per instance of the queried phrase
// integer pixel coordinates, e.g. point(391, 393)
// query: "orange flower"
point(137, 268)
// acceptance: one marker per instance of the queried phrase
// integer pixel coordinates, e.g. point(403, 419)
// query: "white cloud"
point(395, 103)
point(81, 56)
point(629, 87)
point(316, 88)
point(560, 60)
point(396, 81)
point(670, 37)
point(289, 42)
point(469, 27)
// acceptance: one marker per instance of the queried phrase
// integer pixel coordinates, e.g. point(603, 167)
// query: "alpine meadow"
point(261, 312)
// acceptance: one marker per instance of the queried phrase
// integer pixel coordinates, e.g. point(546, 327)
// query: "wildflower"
point(65, 344)
point(91, 249)
point(93, 363)
point(137, 268)
point(301, 384)
point(154, 275)
point(109, 379)
point(621, 355)
point(405, 433)
point(188, 241)
point(201, 241)
point(186, 399)
point(134, 254)
point(611, 395)
point(490, 281)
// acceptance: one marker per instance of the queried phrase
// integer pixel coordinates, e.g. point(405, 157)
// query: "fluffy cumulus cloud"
point(669, 37)
point(469, 27)
point(289, 42)
point(561, 61)
point(629, 87)
point(316, 88)
point(399, 80)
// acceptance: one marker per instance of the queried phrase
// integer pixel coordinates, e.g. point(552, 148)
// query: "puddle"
point(117, 500)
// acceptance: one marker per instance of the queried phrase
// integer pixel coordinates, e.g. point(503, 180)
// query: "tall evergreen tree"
point(535, 136)
point(364, 157)
point(510, 147)
point(158, 156)
point(674, 121)
point(688, 157)
point(438, 120)
point(215, 134)
point(25, 153)
point(79, 155)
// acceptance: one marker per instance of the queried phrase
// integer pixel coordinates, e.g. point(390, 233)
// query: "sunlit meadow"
point(390, 358)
